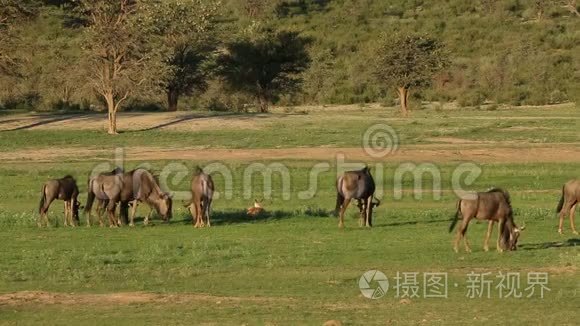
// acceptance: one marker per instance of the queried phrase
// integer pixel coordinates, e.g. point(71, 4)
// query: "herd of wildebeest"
point(126, 190)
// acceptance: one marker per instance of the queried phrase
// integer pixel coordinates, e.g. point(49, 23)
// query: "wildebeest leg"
point(69, 210)
point(487, 236)
point(65, 220)
point(565, 209)
point(464, 236)
point(572, 211)
point(111, 213)
point(68, 213)
point(361, 212)
point(369, 211)
point(200, 212)
point(461, 234)
point(193, 215)
point(133, 211)
point(207, 209)
point(44, 213)
point(101, 207)
point(343, 208)
point(499, 234)
point(148, 216)
point(197, 206)
point(89, 216)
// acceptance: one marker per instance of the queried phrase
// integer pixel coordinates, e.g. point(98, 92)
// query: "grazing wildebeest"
point(357, 185)
point(493, 205)
point(64, 189)
point(202, 189)
point(362, 208)
point(103, 202)
point(568, 201)
point(134, 186)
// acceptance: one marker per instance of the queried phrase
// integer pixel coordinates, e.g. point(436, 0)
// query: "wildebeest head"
point(75, 210)
point(514, 236)
point(164, 206)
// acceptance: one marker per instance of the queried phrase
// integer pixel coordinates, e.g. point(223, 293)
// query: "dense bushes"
point(520, 52)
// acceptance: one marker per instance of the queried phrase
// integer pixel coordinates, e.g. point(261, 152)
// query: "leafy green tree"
point(119, 42)
point(265, 65)
point(12, 13)
point(51, 68)
point(187, 28)
point(408, 61)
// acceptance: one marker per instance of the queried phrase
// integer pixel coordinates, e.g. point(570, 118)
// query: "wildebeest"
point(357, 185)
point(568, 201)
point(102, 203)
point(493, 205)
point(202, 189)
point(134, 186)
point(64, 189)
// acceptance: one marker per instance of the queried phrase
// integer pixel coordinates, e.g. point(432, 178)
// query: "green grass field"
point(293, 265)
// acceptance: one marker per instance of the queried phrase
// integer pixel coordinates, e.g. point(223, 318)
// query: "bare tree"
point(117, 51)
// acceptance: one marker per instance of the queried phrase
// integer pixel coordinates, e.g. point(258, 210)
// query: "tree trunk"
point(112, 114)
point(263, 104)
point(404, 100)
point(172, 99)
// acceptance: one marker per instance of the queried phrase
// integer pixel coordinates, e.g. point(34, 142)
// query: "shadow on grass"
point(410, 222)
point(572, 242)
point(49, 120)
point(240, 217)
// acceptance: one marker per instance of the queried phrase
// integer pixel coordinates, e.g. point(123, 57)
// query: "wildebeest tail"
point(561, 203)
point(90, 197)
point(452, 226)
point(42, 199)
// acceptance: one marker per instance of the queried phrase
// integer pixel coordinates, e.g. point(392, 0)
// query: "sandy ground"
point(41, 297)
point(412, 153)
point(182, 121)
point(442, 149)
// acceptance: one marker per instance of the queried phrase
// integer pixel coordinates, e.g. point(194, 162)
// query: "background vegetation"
point(520, 52)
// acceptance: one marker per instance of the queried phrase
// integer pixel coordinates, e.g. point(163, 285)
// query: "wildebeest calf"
point(64, 189)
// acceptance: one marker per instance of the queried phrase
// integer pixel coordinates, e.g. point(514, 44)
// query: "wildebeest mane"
point(505, 193)
point(197, 170)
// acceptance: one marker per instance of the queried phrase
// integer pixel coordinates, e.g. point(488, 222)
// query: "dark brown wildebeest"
point(568, 201)
point(493, 205)
point(357, 185)
point(134, 186)
point(202, 189)
point(102, 203)
point(64, 189)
